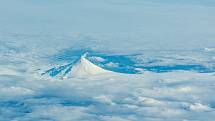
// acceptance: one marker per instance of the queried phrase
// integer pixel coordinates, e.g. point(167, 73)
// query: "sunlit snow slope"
point(85, 68)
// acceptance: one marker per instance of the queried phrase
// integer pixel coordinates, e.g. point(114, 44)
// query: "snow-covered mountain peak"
point(85, 68)
point(82, 68)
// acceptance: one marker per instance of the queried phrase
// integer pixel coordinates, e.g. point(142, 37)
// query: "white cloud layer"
point(176, 95)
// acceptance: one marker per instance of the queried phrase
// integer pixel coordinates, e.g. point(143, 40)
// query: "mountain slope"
point(86, 68)
point(82, 68)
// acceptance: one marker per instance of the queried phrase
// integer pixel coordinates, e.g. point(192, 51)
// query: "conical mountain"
point(86, 68)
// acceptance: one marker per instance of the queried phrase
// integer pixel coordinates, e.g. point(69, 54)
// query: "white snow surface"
point(86, 68)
